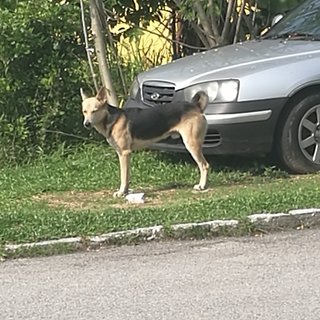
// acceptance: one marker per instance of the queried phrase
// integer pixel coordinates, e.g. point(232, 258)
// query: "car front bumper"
point(233, 128)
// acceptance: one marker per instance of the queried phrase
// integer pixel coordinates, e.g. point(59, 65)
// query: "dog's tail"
point(201, 99)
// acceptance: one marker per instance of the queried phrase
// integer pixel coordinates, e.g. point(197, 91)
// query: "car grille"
point(212, 138)
point(157, 93)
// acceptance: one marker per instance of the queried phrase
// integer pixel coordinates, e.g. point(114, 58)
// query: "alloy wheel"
point(309, 134)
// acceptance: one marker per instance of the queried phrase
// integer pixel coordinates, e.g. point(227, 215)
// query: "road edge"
point(253, 224)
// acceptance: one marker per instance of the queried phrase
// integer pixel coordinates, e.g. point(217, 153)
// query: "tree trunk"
point(209, 33)
point(88, 49)
point(239, 21)
point(227, 22)
point(100, 48)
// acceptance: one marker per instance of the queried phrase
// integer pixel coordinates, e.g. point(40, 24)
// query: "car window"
point(301, 23)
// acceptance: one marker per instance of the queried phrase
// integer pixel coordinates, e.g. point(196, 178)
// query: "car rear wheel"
point(299, 139)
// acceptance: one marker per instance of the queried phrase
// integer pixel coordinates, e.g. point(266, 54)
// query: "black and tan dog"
point(132, 129)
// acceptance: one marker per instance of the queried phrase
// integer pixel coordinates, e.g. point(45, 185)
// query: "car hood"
point(232, 61)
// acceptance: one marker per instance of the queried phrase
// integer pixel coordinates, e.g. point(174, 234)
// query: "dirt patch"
point(79, 200)
point(76, 200)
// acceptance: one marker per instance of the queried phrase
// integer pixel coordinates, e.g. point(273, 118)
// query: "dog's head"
point(94, 108)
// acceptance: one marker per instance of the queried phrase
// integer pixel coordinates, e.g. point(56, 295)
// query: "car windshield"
point(303, 23)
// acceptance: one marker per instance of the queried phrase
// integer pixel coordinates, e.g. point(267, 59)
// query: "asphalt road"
point(273, 277)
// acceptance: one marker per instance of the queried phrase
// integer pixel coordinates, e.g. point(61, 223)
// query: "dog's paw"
point(119, 194)
point(199, 187)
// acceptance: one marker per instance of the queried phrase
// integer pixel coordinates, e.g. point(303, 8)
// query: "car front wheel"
point(299, 139)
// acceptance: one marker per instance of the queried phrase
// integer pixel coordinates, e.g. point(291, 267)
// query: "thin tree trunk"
point(116, 58)
point(227, 22)
point(239, 21)
point(88, 49)
point(214, 24)
point(205, 24)
point(200, 34)
point(99, 41)
point(175, 46)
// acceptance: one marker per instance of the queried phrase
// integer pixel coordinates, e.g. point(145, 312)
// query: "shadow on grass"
point(255, 165)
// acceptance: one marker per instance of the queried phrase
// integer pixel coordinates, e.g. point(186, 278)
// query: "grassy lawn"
point(70, 193)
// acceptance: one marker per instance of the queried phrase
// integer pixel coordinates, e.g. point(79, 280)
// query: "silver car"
point(264, 94)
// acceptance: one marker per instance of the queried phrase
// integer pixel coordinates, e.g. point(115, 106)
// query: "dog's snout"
point(87, 124)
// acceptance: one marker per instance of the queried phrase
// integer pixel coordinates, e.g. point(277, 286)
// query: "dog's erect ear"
point(102, 94)
point(83, 95)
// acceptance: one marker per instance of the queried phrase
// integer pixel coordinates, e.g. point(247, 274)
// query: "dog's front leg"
point(124, 159)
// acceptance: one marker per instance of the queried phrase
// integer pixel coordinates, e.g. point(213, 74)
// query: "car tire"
point(298, 142)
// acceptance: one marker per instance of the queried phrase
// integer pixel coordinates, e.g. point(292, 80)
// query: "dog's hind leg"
point(124, 159)
point(195, 149)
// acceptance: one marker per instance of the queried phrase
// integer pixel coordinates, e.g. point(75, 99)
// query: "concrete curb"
point(266, 222)
point(293, 219)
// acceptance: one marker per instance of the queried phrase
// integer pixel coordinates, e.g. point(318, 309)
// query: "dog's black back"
point(147, 124)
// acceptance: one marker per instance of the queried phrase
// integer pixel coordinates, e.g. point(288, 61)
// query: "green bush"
point(42, 66)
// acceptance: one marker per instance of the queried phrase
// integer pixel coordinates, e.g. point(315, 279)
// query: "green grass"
point(70, 193)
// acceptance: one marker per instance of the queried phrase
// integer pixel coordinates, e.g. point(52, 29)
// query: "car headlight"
point(134, 89)
point(218, 91)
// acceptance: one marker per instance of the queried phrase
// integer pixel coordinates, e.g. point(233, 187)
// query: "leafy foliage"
point(42, 64)
point(203, 24)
